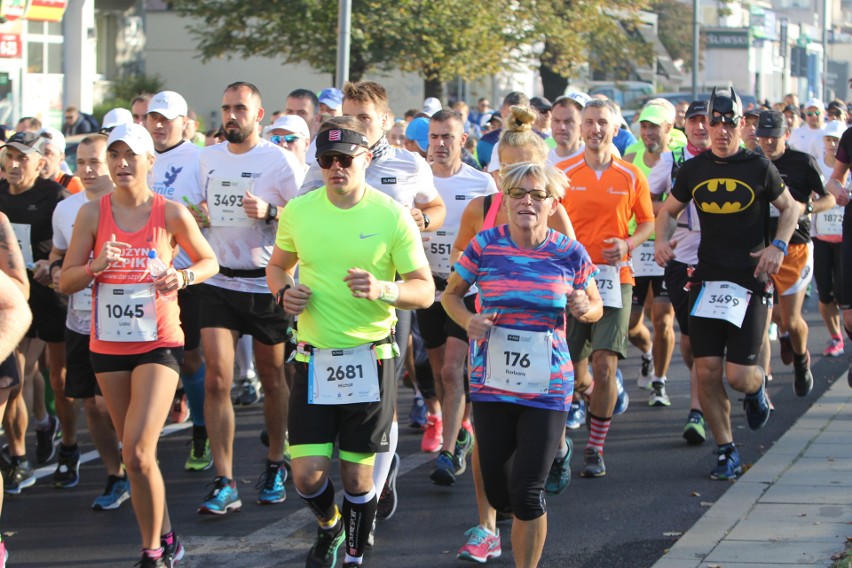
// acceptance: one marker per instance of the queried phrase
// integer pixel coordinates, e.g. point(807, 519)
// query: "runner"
point(730, 290)
point(521, 402)
point(352, 241)
point(55, 167)
point(565, 122)
point(808, 136)
point(136, 342)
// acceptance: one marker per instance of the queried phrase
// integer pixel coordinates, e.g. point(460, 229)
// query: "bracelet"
point(630, 246)
point(389, 293)
point(279, 296)
point(91, 272)
point(185, 279)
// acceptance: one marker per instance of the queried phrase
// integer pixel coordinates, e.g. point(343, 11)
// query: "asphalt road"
point(656, 487)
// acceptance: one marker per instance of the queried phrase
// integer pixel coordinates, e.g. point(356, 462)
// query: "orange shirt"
point(601, 204)
point(74, 185)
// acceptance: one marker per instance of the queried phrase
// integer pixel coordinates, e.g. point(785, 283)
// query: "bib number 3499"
point(722, 300)
point(519, 361)
point(343, 376)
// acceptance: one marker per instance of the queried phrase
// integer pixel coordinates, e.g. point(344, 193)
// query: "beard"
point(654, 147)
point(236, 136)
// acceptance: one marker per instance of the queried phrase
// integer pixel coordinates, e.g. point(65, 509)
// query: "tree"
point(674, 27)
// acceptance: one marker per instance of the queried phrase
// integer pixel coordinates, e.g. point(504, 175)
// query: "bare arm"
point(15, 315)
point(435, 209)
point(476, 325)
point(560, 221)
point(586, 305)
point(73, 276)
point(11, 258)
point(771, 257)
point(836, 184)
point(471, 223)
point(665, 227)
point(181, 224)
point(417, 289)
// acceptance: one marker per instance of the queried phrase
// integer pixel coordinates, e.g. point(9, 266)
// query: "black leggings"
point(516, 446)
point(828, 262)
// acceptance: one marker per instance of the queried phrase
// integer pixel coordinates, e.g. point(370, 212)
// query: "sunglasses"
point(520, 193)
point(326, 161)
point(813, 113)
point(730, 120)
point(288, 138)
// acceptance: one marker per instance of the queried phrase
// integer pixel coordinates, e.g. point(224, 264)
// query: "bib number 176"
point(515, 359)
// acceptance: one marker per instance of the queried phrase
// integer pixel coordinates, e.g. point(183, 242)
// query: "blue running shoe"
point(728, 464)
point(417, 416)
point(444, 472)
point(559, 476)
point(221, 499)
point(756, 408)
point(623, 400)
point(117, 492)
point(577, 414)
point(271, 484)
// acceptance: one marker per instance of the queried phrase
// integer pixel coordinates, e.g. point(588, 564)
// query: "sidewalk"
point(793, 507)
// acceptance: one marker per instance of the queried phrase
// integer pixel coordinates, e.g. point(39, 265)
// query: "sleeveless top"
point(113, 306)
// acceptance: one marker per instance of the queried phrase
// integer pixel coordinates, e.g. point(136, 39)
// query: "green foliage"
point(674, 28)
point(127, 88)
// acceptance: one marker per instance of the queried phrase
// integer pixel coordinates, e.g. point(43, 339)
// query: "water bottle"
point(156, 268)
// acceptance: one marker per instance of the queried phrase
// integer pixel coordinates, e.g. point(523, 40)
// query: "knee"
point(528, 502)
point(137, 461)
point(217, 384)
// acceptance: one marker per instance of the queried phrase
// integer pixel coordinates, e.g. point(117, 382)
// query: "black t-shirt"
point(801, 174)
point(732, 198)
point(34, 207)
point(844, 147)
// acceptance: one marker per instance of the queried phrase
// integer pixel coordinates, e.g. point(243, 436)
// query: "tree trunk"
point(434, 88)
point(553, 83)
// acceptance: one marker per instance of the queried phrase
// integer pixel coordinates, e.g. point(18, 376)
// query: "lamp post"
point(344, 38)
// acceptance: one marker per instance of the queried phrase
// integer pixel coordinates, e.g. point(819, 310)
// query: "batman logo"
point(723, 196)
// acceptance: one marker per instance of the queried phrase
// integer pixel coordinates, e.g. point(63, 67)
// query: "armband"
point(780, 245)
point(389, 293)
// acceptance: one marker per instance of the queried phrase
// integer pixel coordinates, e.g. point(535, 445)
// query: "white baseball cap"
point(115, 117)
point(431, 106)
point(54, 138)
point(134, 135)
point(834, 128)
point(168, 103)
point(816, 103)
point(579, 98)
point(292, 123)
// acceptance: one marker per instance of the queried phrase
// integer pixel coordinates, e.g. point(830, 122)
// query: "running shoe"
point(174, 552)
point(803, 381)
point(646, 372)
point(463, 449)
point(46, 440)
point(849, 377)
point(371, 538)
point(834, 348)
point(773, 331)
point(623, 400)
point(387, 500)
point(468, 426)
point(593, 464)
point(786, 349)
point(756, 406)
point(559, 476)
point(444, 472)
point(433, 437)
point(148, 562)
point(222, 499)
point(577, 413)
point(323, 554)
point(264, 439)
point(180, 409)
point(67, 474)
point(200, 458)
point(270, 484)
point(417, 415)
point(117, 491)
point(658, 395)
point(250, 392)
point(4, 555)
point(694, 431)
point(18, 475)
point(727, 464)
point(481, 545)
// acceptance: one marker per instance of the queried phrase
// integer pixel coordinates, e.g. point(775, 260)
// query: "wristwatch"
point(426, 221)
point(188, 278)
point(809, 207)
point(279, 297)
point(780, 245)
point(271, 213)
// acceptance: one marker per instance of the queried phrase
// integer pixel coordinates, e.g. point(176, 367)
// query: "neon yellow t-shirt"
point(377, 235)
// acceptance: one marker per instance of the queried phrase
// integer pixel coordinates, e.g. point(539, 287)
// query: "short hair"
point(411, 113)
point(516, 98)
point(71, 109)
point(141, 98)
point(240, 84)
point(518, 132)
point(344, 123)
point(306, 94)
point(367, 92)
point(460, 105)
point(34, 122)
point(604, 103)
point(447, 115)
point(93, 139)
point(555, 181)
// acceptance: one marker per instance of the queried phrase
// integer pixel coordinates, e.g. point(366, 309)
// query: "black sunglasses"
point(327, 160)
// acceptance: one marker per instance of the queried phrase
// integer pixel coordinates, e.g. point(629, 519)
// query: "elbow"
point(426, 296)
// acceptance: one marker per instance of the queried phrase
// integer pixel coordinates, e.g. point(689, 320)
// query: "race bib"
point(519, 361)
point(829, 223)
point(81, 301)
point(722, 300)
point(126, 313)
point(609, 285)
point(343, 376)
point(23, 233)
point(643, 261)
point(438, 249)
point(225, 203)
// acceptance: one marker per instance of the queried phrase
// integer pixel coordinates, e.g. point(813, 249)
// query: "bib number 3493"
point(126, 313)
point(722, 300)
point(519, 361)
point(343, 376)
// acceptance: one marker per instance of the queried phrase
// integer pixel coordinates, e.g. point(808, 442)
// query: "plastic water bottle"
point(156, 268)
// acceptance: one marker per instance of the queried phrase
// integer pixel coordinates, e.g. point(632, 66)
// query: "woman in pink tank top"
point(136, 342)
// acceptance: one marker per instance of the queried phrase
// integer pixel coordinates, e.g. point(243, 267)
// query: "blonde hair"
point(518, 132)
point(367, 92)
point(555, 181)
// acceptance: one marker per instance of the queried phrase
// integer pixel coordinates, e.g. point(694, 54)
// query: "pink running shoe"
point(481, 545)
point(433, 437)
point(834, 348)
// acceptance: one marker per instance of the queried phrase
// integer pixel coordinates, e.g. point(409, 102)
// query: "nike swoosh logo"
point(363, 236)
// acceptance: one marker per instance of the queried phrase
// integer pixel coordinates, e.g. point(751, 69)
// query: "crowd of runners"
point(498, 262)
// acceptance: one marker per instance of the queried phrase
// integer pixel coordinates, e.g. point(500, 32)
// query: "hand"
point(296, 299)
point(578, 303)
point(616, 250)
point(41, 272)
point(171, 281)
point(363, 284)
point(55, 277)
point(770, 262)
point(664, 251)
point(479, 325)
point(110, 254)
point(199, 213)
point(417, 215)
point(841, 197)
point(254, 206)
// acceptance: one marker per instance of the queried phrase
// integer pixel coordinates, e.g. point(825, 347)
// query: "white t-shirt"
point(403, 175)
point(270, 173)
point(175, 176)
point(77, 320)
point(688, 231)
point(807, 139)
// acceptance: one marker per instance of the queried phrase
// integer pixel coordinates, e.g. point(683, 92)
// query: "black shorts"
point(245, 312)
point(190, 317)
point(436, 326)
point(719, 338)
point(640, 289)
point(676, 279)
point(49, 313)
point(10, 375)
point(828, 262)
point(359, 428)
point(80, 381)
point(171, 357)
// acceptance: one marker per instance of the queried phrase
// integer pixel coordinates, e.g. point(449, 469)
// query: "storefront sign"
point(46, 10)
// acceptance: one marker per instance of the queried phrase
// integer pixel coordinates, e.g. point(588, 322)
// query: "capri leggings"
point(828, 262)
point(516, 446)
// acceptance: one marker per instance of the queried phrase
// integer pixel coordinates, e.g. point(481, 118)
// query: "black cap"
point(27, 142)
point(791, 108)
point(696, 108)
point(496, 116)
point(725, 102)
point(340, 140)
point(771, 123)
point(541, 104)
point(837, 105)
point(752, 112)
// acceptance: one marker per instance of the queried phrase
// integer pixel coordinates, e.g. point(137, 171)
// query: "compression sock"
point(359, 511)
point(193, 385)
point(383, 462)
point(598, 430)
point(322, 504)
